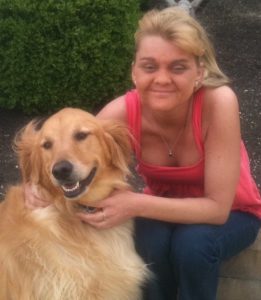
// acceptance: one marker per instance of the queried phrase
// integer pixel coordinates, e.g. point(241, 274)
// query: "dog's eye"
point(81, 135)
point(47, 145)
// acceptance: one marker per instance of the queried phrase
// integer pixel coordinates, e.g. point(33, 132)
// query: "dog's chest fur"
point(58, 257)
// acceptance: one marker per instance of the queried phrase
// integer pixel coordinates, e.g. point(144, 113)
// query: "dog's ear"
point(117, 139)
point(26, 145)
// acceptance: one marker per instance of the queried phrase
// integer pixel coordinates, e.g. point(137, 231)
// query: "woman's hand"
point(34, 198)
point(114, 210)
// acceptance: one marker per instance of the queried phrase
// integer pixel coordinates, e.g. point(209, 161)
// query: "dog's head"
point(74, 154)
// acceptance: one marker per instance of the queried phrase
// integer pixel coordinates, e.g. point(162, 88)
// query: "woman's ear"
point(200, 76)
point(133, 77)
point(200, 71)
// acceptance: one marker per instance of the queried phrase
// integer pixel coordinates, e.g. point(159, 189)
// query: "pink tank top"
point(188, 181)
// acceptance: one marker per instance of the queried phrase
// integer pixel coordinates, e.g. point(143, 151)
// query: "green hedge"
point(57, 53)
point(146, 5)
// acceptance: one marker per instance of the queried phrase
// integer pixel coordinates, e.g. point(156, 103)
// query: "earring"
point(196, 85)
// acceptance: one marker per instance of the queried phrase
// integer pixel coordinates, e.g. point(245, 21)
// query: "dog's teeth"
point(74, 188)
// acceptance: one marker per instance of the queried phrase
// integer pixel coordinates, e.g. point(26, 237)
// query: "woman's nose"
point(163, 77)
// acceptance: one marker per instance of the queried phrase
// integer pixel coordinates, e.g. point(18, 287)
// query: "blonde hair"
point(175, 24)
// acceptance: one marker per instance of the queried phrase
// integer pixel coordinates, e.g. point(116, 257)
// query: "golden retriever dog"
point(75, 161)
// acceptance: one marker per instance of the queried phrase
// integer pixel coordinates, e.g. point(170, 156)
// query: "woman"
point(200, 205)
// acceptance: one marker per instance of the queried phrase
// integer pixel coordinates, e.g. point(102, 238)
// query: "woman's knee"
point(199, 245)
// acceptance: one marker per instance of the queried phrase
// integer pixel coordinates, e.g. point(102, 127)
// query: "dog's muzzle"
point(64, 174)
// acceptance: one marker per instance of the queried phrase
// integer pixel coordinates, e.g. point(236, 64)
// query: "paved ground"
point(235, 28)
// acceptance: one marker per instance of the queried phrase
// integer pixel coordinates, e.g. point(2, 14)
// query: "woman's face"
point(164, 74)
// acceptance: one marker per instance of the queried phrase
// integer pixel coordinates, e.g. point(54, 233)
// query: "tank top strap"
point(133, 109)
point(197, 119)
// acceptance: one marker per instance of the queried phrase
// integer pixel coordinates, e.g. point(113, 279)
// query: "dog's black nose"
point(62, 170)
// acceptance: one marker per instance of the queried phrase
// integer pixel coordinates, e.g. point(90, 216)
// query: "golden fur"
point(48, 253)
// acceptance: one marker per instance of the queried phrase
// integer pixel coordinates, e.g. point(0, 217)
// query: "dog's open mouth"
point(74, 189)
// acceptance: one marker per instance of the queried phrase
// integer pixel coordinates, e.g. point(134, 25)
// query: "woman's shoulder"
point(114, 110)
point(219, 94)
point(219, 99)
point(220, 106)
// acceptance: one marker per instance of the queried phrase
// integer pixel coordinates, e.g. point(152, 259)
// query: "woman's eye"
point(178, 69)
point(81, 135)
point(149, 68)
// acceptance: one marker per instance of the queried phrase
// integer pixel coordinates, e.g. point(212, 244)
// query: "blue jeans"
point(185, 259)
